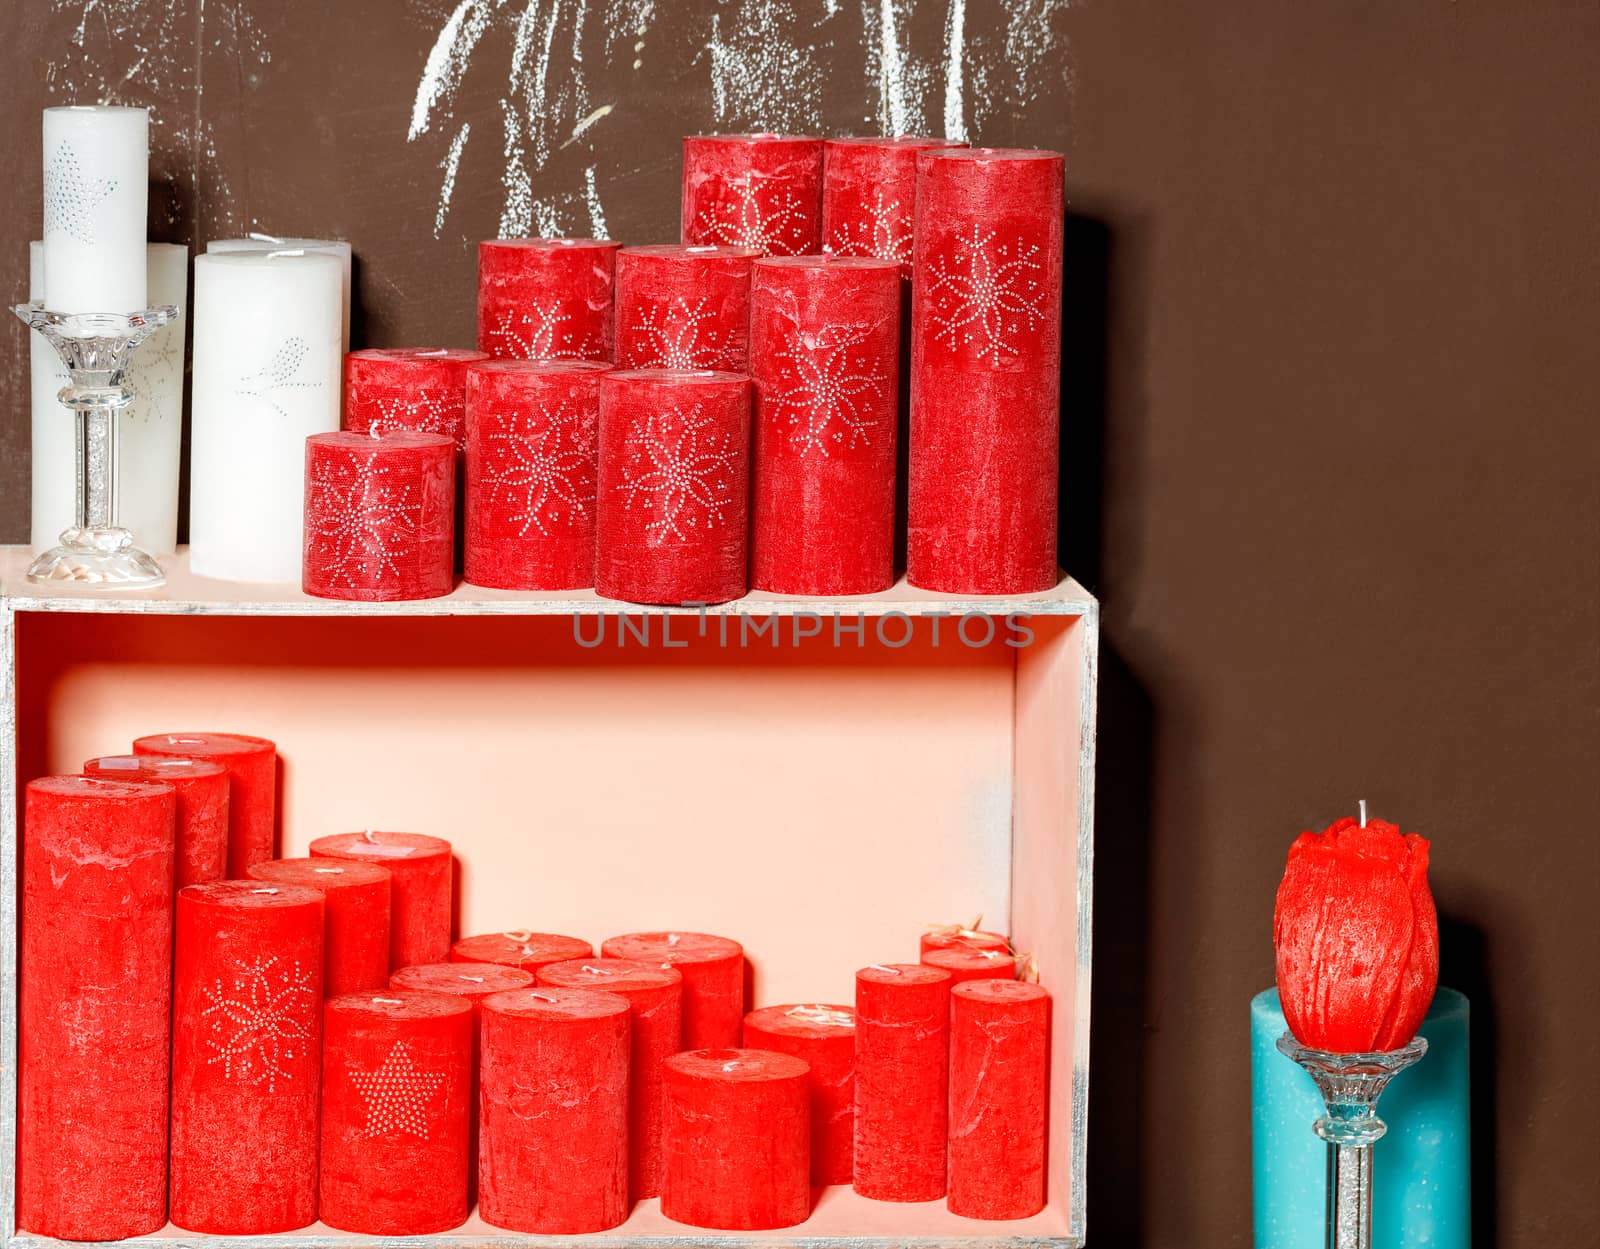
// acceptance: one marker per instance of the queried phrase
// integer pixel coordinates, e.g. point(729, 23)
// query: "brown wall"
point(1330, 435)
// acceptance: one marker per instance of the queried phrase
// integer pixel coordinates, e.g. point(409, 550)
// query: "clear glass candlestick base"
point(96, 348)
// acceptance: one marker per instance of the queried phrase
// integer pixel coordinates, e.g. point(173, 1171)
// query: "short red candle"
point(970, 964)
point(985, 371)
point(902, 1081)
point(532, 429)
point(246, 1057)
point(95, 970)
point(957, 938)
point(252, 764)
point(555, 1111)
point(684, 306)
point(396, 1089)
point(824, 1037)
point(418, 390)
point(520, 948)
point(546, 299)
point(825, 357)
point(201, 789)
point(999, 1068)
point(380, 517)
point(655, 999)
point(674, 486)
point(737, 1137)
point(713, 980)
point(355, 939)
point(869, 196)
point(762, 191)
point(419, 893)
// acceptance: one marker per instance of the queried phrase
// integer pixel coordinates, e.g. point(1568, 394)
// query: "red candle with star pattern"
point(713, 980)
point(520, 948)
point(970, 964)
point(417, 390)
point(355, 943)
point(546, 299)
point(419, 889)
point(396, 1102)
point(825, 1038)
point(684, 306)
point(762, 191)
point(252, 764)
point(869, 195)
point(200, 787)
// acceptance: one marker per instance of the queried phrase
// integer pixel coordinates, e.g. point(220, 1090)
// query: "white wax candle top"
point(96, 176)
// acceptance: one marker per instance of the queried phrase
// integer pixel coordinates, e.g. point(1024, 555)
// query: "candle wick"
point(263, 891)
point(1363, 805)
point(387, 1001)
point(335, 870)
point(474, 979)
point(263, 238)
point(367, 833)
point(517, 934)
point(893, 971)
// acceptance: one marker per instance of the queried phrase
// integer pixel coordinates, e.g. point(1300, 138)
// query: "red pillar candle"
point(419, 891)
point(713, 980)
point(396, 1100)
point(985, 371)
point(95, 969)
point(246, 1057)
point(252, 764)
point(416, 390)
point(955, 937)
point(824, 356)
point(531, 438)
point(546, 299)
point(555, 1111)
point(762, 191)
point(200, 787)
point(869, 196)
point(355, 942)
point(999, 1067)
point(970, 964)
point(684, 306)
point(736, 1134)
point(902, 1081)
point(654, 996)
point(825, 1038)
point(520, 948)
point(674, 486)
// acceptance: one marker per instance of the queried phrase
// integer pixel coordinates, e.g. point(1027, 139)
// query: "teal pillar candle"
point(1421, 1174)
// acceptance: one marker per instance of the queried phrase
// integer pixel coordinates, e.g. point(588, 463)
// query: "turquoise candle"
point(1421, 1176)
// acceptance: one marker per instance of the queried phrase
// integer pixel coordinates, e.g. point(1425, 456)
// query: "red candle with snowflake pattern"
point(417, 390)
point(546, 299)
point(713, 980)
point(201, 790)
point(762, 191)
point(985, 371)
point(684, 306)
point(252, 764)
point(674, 485)
point(869, 195)
point(957, 936)
point(971, 964)
point(520, 948)
point(902, 1081)
point(420, 873)
point(396, 1102)
point(246, 1057)
point(355, 943)
point(825, 1038)
point(532, 428)
point(824, 357)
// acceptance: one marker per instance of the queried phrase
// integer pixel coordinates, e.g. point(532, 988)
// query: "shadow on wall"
point(1464, 966)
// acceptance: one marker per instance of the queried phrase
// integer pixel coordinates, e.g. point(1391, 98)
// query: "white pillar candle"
point(54, 466)
point(268, 243)
point(96, 175)
point(266, 376)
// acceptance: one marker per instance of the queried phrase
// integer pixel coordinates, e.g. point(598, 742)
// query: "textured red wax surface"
point(532, 430)
point(419, 390)
point(95, 968)
point(969, 964)
point(380, 517)
point(419, 888)
point(674, 486)
point(824, 1036)
point(825, 359)
point(546, 299)
point(655, 1031)
point(985, 372)
point(252, 764)
point(869, 195)
point(737, 1139)
point(999, 1075)
point(520, 948)
point(555, 1111)
point(713, 980)
point(246, 1057)
point(684, 306)
point(396, 1090)
point(955, 938)
point(355, 942)
point(902, 1078)
point(201, 790)
point(762, 191)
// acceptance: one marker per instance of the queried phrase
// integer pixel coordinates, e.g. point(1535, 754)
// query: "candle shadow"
point(1464, 966)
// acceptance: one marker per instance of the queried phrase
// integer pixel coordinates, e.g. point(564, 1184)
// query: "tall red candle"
point(674, 486)
point(418, 390)
point(246, 1057)
point(869, 195)
point(396, 1089)
point(736, 1134)
point(532, 428)
point(970, 964)
point(902, 1081)
point(762, 191)
point(985, 371)
point(713, 980)
point(546, 299)
point(824, 356)
point(94, 973)
point(355, 941)
point(419, 891)
point(684, 306)
point(956, 937)
point(824, 1037)
point(555, 1111)
point(252, 764)
point(520, 948)
point(655, 1029)
point(999, 1070)
point(200, 787)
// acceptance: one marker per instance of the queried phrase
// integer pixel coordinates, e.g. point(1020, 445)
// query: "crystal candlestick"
point(96, 348)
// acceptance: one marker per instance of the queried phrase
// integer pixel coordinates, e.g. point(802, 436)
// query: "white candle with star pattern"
point(96, 171)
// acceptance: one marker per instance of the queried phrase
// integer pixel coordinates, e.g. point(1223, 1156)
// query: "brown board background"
point(1330, 426)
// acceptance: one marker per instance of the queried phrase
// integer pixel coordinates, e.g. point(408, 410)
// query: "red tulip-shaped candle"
point(713, 980)
point(762, 191)
point(252, 764)
point(546, 299)
point(824, 1037)
point(201, 789)
point(355, 941)
point(419, 889)
point(684, 306)
point(520, 948)
point(417, 390)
